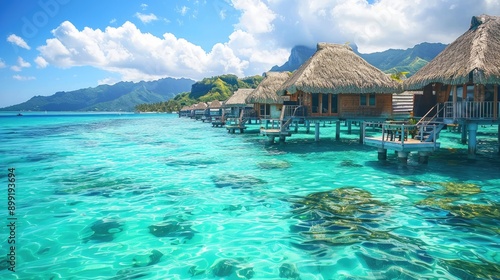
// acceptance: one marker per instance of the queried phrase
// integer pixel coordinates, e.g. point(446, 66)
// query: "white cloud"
point(23, 78)
point(18, 41)
point(2, 64)
point(113, 21)
point(107, 81)
point(374, 27)
point(41, 62)
point(263, 36)
point(146, 18)
point(222, 14)
point(20, 65)
point(144, 6)
point(183, 10)
point(256, 16)
point(136, 55)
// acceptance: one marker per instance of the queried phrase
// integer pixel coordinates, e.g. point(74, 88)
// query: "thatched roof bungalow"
point(336, 82)
point(237, 102)
point(199, 110)
point(464, 77)
point(214, 109)
point(267, 103)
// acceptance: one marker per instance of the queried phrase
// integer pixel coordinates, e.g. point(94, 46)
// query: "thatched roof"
point(266, 90)
point(216, 104)
point(474, 56)
point(337, 69)
point(200, 106)
point(238, 98)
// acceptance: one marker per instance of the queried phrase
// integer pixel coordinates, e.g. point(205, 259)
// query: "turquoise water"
point(124, 196)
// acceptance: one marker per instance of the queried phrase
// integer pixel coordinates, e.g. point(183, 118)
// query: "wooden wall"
point(349, 105)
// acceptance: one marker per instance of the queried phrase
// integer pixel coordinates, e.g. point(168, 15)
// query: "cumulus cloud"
point(41, 62)
point(256, 16)
point(20, 65)
point(146, 18)
point(2, 63)
point(263, 36)
point(136, 55)
point(18, 41)
point(23, 78)
point(374, 27)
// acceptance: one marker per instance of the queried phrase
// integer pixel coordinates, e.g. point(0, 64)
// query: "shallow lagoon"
point(123, 196)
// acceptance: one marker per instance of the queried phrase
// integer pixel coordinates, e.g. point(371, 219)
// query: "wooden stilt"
point(423, 157)
point(403, 157)
point(464, 133)
point(337, 131)
point(472, 128)
point(316, 134)
point(382, 154)
point(361, 132)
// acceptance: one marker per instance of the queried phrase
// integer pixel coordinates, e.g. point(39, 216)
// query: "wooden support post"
point(464, 133)
point(472, 128)
point(423, 157)
point(308, 126)
point(316, 134)
point(361, 132)
point(296, 126)
point(498, 136)
point(337, 131)
point(270, 139)
point(454, 102)
point(349, 127)
point(382, 154)
point(403, 157)
point(495, 101)
point(282, 138)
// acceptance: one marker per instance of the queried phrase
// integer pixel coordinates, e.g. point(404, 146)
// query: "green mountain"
point(389, 61)
point(221, 87)
point(122, 96)
point(206, 90)
point(409, 60)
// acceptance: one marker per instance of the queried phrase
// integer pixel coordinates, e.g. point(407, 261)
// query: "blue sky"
point(62, 45)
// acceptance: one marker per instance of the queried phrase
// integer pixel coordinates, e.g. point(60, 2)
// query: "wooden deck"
point(408, 145)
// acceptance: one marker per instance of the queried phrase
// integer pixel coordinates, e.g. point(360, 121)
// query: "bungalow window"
point(265, 109)
point(367, 99)
point(334, 104)
point(315, 103)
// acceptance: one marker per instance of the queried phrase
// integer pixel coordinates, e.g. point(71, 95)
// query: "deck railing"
point(398, 132)
point(471, 110)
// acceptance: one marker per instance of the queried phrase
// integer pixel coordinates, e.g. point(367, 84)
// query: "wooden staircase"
point(429, 126)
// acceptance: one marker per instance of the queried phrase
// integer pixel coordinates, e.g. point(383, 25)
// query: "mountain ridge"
point(122, 96)
point(390, 61)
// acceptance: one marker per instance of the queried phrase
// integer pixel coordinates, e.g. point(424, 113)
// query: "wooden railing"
point(471, 110)
point(400, 132)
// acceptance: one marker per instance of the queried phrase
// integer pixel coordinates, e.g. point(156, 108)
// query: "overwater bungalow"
point(185, 111)
point(267, 103)
point(337, 84)
point(199, 110)
point(461, 85)
point(213, 111)
point(237, 112)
